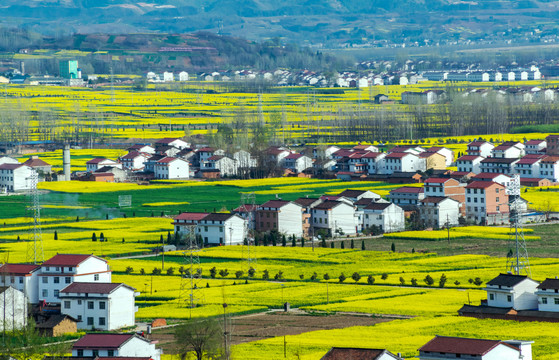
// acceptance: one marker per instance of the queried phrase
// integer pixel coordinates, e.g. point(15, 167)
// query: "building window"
point(79, 318)
point(56, 280)
point(205, 228)
point(101, 321)
point(491, 297)
point(556, 301)
point(96, 277)
point(102, 305)
point(56, 293)
point(45, 293)
point(66, 304)
point(544, 300)
point(497, 199)
point(57, 268)
point(509, 298)
point(110, 353)
point(90, 305)
point(21, 279)
point(67, 279)
point(90, 321)
point(221, 229)
point(80, 353)
point(45, 280)
point(79, 302)
point(70, 269)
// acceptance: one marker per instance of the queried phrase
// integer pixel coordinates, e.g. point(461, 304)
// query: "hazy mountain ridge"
point(318, 21)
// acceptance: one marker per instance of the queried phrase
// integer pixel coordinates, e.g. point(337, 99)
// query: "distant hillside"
point(139, 53)
point(332, 22)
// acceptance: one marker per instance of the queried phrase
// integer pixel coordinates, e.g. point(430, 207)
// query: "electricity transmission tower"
point(191, 278)
point(517, 257)
point(248, 208)
point(35, 245)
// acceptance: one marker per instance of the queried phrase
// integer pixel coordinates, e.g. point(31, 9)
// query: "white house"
point(244, 159)
point(13, 309)
point(528, 167)
point(446, 152)
point(101, 306)
point(168, 76)
point(207, 152)
point(183, 76)
point(278, 215)
point(115, 345)
point(23, 277)
point(63, 269)
point(480, 148)
point(549, 168)
point(512, 291)
point(185, 221)
point(510, 150)
point(535, 146)
point(407, 195)
point(355, 195)
point(375, 162)
point(8, 160)
point(403, 162)
point(226, 165)
point(223, 229)
point(96, 163)
point(141, 148)
point(498, 165)
point(276, 154)
point(15, 177)
point(438, 212)
point(297, 162)
point(387, 216)
point(171, 168)
point(548, 295)
point(134, 160)
point(469, 163)
point(171, 142)
point(326, 152)
point(445, 347)
point(336, 217)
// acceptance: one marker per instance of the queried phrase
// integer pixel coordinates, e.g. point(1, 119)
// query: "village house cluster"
point(68, 292)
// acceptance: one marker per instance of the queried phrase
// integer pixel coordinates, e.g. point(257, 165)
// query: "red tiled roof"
point(397, 155)
point(166, 160)
point(362, 147)
point(499, 161)
point(306, 201)
point(550, 159)
point(435, 199)
point(18, 269)
point(527, 161)
point(427, 154)
point(549, 284)
point(455, 345)
point(206, 149)
point(102, 174)
point(67, 259)
point(337, 353)
point(96, 160)
point(35, 162)
point(275, 204)
point(191, 216)
point(10, 166)
point(294, 156)
point(131, 155)
point(352, 193)
point(275, 151)
point(485, 175)
point(103, 341)
point(342, 152)
point(479, 143)
point(377, 206)
point(91, 288)
point(436, 180)
point(216, 157)
point(218, 217)
point(166, 140)
point(534, 142)
point(328, 204)
point(408, 190)
point(482, 185)
point(372, 155)
point(468, 158)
